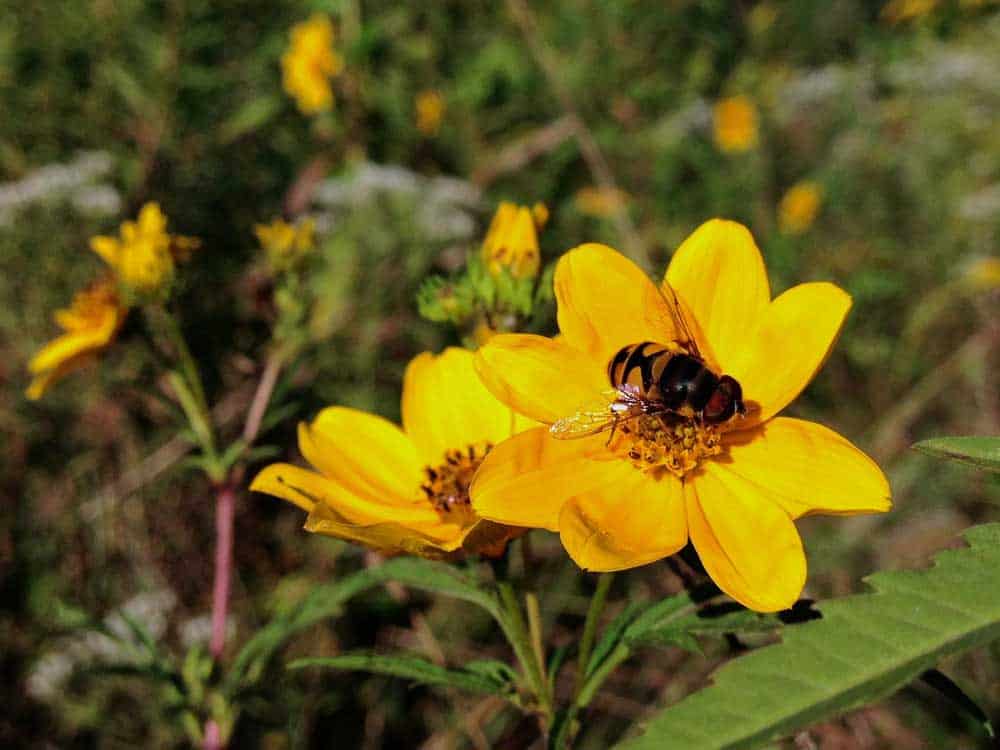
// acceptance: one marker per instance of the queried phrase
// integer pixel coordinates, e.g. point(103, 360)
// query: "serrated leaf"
point(410, 667)
point(981, 452)
point(864, 648)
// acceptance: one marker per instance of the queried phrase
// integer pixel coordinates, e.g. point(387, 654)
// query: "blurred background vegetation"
point(883, 114)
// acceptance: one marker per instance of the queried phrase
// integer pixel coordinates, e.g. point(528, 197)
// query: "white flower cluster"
point(444, 205)
point(150, 610)
point(79, 181)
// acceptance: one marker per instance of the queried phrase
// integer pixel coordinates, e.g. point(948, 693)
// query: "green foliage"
point(864, 648)
point(326, 601)
point(981, 452)
point(489, 678)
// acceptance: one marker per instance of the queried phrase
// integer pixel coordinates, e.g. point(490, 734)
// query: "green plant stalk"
point(189, 367)
point(516, 630)
point(597, 602)
point(587, 689)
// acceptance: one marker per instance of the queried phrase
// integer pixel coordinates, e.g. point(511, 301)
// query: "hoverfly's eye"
point(726, 400)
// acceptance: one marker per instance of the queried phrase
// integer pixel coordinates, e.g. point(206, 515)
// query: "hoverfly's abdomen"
point(637, 368)
point(667, 375)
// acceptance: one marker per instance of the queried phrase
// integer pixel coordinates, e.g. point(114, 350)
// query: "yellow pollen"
point(446, 486)
point(655, 443)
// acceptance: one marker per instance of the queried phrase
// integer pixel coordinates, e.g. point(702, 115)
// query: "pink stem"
point(213, 736)
point(224, 512)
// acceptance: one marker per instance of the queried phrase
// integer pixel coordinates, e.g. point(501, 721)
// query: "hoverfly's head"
point(725, 401)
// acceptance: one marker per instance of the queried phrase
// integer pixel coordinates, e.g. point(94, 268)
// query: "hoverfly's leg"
point(614, 426)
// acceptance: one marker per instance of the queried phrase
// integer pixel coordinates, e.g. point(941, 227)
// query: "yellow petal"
point(524, 481)
point(151, 219)
point(309, 490)
point(746, 540)
point(446, 406)
point(808, 468)
point(41, 383)
point(108, 248)
point(69, 346)
point(719, 273)
point(631, 521)
point(367, 454)
point(605, 302)
point(388, 536)
point(789, 346)
point(540, 377)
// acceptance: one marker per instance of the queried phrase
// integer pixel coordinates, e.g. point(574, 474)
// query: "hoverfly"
point(670, 379)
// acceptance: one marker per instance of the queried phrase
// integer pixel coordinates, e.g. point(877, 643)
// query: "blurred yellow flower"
point(898, 11)
point(735, 124)
point(732, 488)
point(983, 274)
point(90, 324)
point(286, 244)
point(142, 257)
point(799, 207)
point(310, 63)
point(512, 240)
point(403, 490)
point(429, 106)
point(600, 202)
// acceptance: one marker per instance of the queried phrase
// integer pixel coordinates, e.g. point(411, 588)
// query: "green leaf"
point(414, 668)
point(981, 452)
point(864, 648)
point(325, 601)
point(251, 116)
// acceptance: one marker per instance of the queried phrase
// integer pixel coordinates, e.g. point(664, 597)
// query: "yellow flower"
point(429, 107)
point(286, 244)
point(403, 490)
point(799, 207)
point(512, 240)
point(735, 124)
point(143, 256)
point(898, 11)
point(309, 63)
point(733, 489)
point(90, 324)
point(599, 202)
point(983, 274)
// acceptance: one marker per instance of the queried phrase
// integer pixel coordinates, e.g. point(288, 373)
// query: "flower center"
point(446, 486)
point(665, 442)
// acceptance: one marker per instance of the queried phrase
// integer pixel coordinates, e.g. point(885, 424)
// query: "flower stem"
point(225, 510)
point(590, 627)
point(520, 639)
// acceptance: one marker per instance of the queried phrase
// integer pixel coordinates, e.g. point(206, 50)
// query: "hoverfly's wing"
point(589, 419)
point(674, 319)
point(594, 417)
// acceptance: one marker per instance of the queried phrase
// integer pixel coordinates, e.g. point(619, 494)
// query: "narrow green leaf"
point(864, 648)
point(414, 668)
point(981, 452)
point(251, 116)
point(326, 601)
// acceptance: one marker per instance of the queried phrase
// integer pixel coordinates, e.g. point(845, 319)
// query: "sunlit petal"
point(808, 468)
point(446, 406)
point(543, 378)
point(605, 302)
point(525, 480)
point(631, 520)
point(720, 274)
point(308, 489)
point(368, 455)
point(789, 346)
point(745, 539)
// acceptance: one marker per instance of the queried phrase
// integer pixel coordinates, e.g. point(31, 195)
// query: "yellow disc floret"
point(656, 443)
